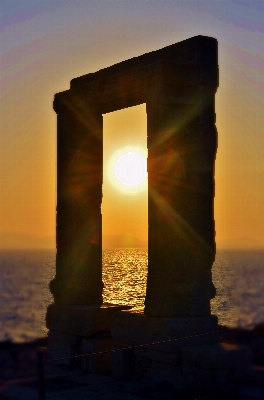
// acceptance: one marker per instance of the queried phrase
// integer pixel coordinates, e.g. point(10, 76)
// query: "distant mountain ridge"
point(27, 241)
point(124, 241)
point(240, 244)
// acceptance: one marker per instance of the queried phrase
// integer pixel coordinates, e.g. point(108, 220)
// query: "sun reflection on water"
point(125, 276)
point(25, 295)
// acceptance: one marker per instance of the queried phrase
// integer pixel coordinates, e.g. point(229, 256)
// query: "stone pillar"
point(182, 142)
point(79, 195)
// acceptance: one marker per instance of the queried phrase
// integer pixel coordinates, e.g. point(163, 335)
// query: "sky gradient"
point(44, 44)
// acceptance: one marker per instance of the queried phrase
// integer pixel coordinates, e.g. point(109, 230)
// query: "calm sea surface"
point(25, 275)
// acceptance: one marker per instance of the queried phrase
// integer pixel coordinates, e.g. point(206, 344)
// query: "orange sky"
point(45, 44)
point(123, 212)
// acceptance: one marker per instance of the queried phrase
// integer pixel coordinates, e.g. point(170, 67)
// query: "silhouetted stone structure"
point(178, 85)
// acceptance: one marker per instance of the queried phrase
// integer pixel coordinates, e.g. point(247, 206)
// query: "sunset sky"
point(46, 43)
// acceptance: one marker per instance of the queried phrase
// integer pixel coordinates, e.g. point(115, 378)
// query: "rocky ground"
point(19, 376)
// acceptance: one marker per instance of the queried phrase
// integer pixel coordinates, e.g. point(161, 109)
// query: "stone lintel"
point(199, 52)
point(81, 320)
point(111, 101)
point(190, 63)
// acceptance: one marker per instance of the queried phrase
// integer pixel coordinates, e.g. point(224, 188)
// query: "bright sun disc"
point(130, 171)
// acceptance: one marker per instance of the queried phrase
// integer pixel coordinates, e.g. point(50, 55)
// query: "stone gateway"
point(178, 84)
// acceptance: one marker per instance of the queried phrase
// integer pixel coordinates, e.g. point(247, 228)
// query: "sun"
point(128, 170)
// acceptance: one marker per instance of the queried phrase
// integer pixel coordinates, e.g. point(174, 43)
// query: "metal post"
point(41, 375)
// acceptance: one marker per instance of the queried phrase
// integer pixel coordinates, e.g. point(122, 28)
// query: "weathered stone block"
point(144, 363)
point(97, 363)
point(179, 306)
point(65, 348)
point(61, 358)
point(122, 361)
point(161, 356)
point(64, 337)
point(166, 370)
point(136, 328)
point(178, 384)
point(81, 320)
point(217, 356)
point(207, 378)
point(62, 345)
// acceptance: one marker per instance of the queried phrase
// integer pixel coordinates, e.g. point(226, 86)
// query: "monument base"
point(81, 329)
point(180, 351)
point(134, 327)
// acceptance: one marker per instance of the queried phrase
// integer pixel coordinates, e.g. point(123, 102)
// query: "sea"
point(238, 276)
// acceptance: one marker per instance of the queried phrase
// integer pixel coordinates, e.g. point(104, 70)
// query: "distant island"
point(112, 241)
point(26, 241)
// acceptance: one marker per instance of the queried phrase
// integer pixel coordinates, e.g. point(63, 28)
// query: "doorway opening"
point(125, 206)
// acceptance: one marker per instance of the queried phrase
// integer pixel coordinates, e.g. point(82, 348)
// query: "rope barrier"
point(41, 360)
point(134, 346)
